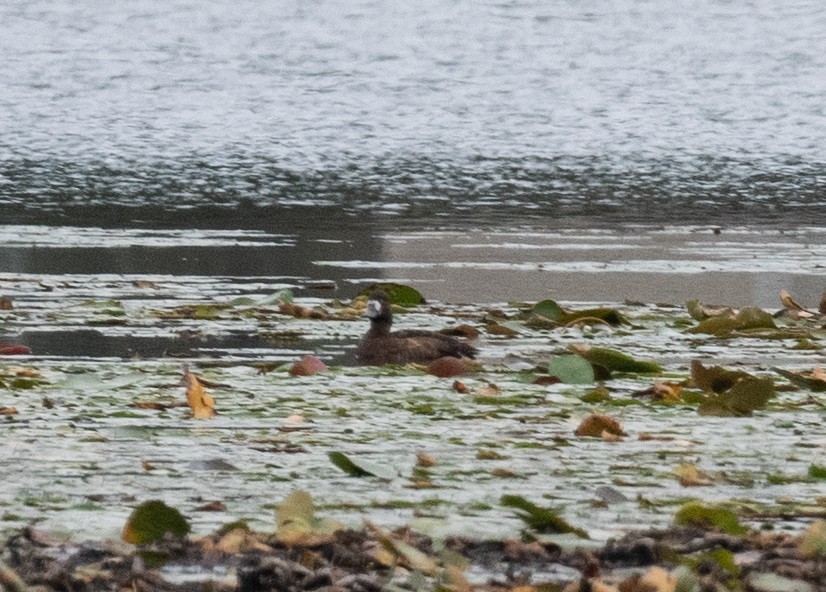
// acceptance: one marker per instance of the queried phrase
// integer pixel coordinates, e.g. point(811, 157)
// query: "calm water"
point(497, 109)
point(338, 124)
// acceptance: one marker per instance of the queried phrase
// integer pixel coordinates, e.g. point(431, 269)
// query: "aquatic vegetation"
point(95, 420)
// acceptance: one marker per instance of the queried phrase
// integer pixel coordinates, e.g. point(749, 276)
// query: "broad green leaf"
point(397, 294)
point(538, 518)
point(615, 361)
point(360, 467)
point(151, 521)
point(549, 309)
point(715, 378)
point(571, 369)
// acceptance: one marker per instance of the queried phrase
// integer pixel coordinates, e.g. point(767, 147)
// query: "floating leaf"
point(715, 378)
point(550, 310)
point(397, 294)
point(594, 426)
point(741, 400)
point(571, 369)
point(538, 518)
point(152, 521)
point(277, 298)
point(690, 476)
point(307, 366)
point(789, 303)
point(448, 366)
point(708, 517)
point(615, 361)
point(360, 467)
point(750, 318)
point(8, 349)
point(812, 382)
point(297, 523)
point(817, 472)
point(701, 312)
point(199, 401)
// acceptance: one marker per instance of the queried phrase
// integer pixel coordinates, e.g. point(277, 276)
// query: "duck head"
point(378, 307)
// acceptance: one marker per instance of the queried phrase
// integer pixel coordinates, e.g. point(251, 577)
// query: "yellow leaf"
point(690, 476)
point(199, 401)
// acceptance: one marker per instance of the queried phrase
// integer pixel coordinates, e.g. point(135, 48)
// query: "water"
point(339, 126)
point(431, 109)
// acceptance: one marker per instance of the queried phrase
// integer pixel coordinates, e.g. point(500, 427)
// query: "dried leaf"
point(491, 390)
point(199, 401)
point(8, 411)
point(298, 524)
point(408, 554)
point(448, 366)
point(425, 460)
point(8, 349)
point(813, 542)
point(815, 382)
point(715, 378)
point(460, 387)
point(789, 302)
point(307, 366)
point(690, 476)
point(594, 425)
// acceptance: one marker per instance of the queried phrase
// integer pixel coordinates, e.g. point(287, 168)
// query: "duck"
point(411, 346)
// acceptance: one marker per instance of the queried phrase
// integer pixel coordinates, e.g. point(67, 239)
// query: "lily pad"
point(538, 518)
point(397, 294)
point(360, 467)
point(152, 521)
point(715, 378)
point(741, 400)
point(615, 361)
point(571, 369)
point(813, 384)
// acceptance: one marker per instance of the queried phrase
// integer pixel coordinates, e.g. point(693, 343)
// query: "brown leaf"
point(661, 391)
point(594, 425)
point(6, 303)
point(307, 366)
point(466, 331)
point(8, 411)
point(491, 390)
point(789, 303)
point(301, 312)
point(425, 460)
point(447, 366)
point(460, 387)
point(215, 506)
point(201, 403)
point(690, 476)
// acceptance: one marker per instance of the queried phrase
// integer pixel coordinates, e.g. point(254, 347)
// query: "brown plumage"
point(381, 346)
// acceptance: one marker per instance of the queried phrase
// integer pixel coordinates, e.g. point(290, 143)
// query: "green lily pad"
point(615, 361)
point(538, 518)
point(549, 309)
point(571, 369)
point(709, 517)
point(360, 467)
point(153, 520)
point(397, 294)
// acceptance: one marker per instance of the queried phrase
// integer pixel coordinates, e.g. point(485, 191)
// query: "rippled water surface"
point(459, 110)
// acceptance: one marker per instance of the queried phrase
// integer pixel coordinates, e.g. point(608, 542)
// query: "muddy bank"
point(362, 561)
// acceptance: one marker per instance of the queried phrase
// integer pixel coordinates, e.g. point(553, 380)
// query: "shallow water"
point(86, 454)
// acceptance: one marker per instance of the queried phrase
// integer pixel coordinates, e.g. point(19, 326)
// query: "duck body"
point(412, 346)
